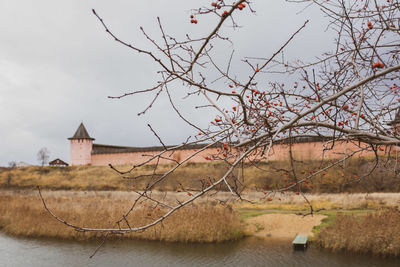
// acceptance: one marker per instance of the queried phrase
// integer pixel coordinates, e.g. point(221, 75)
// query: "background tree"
point(348, 94)
point(12, 164)
point(43, 156)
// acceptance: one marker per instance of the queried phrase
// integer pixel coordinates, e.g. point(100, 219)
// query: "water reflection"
point(247, 252)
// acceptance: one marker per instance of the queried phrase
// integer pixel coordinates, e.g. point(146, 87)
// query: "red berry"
point(378, 65)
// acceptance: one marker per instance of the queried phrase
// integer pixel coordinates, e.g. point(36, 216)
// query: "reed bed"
point(24, 215)
point(373, 233)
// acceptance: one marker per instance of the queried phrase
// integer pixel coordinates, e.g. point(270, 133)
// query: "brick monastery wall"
point(139, 157)
point(301, 151)
point(315, 150)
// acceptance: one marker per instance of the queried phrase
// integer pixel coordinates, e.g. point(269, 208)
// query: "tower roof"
point(81, 133)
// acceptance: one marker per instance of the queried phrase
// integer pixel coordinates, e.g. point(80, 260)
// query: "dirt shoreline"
point(282, 226)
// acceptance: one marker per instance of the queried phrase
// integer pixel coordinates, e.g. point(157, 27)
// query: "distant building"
point(58, 162)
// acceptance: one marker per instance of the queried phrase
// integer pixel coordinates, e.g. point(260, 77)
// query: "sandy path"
point(282, 226)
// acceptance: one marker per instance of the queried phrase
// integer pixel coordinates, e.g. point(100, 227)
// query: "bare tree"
point(43, 156)
point(12, 164)
point(345, 95)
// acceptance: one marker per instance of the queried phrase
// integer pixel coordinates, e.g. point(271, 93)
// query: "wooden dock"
point(300, 242)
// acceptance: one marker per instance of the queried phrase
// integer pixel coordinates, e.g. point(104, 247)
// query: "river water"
point(247, 252)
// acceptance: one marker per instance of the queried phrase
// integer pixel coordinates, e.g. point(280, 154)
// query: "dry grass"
point(291, 201)
point(24, 215)
point(104, 178)
point(75, 178)
point(262, 177)
point(376, 233)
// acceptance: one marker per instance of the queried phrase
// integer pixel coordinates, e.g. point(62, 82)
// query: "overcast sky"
point(58, 65)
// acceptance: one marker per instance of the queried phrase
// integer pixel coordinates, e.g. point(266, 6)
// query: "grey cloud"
point(58, 65)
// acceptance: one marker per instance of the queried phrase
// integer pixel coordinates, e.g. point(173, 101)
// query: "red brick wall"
point(301, 151)
point(139, 157)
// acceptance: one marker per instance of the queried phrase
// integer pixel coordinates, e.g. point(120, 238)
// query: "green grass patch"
point(246, 213)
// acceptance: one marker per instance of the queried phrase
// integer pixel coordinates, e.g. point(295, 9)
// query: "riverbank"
point(360, 231)
point(374, 233)
point(22, 214)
